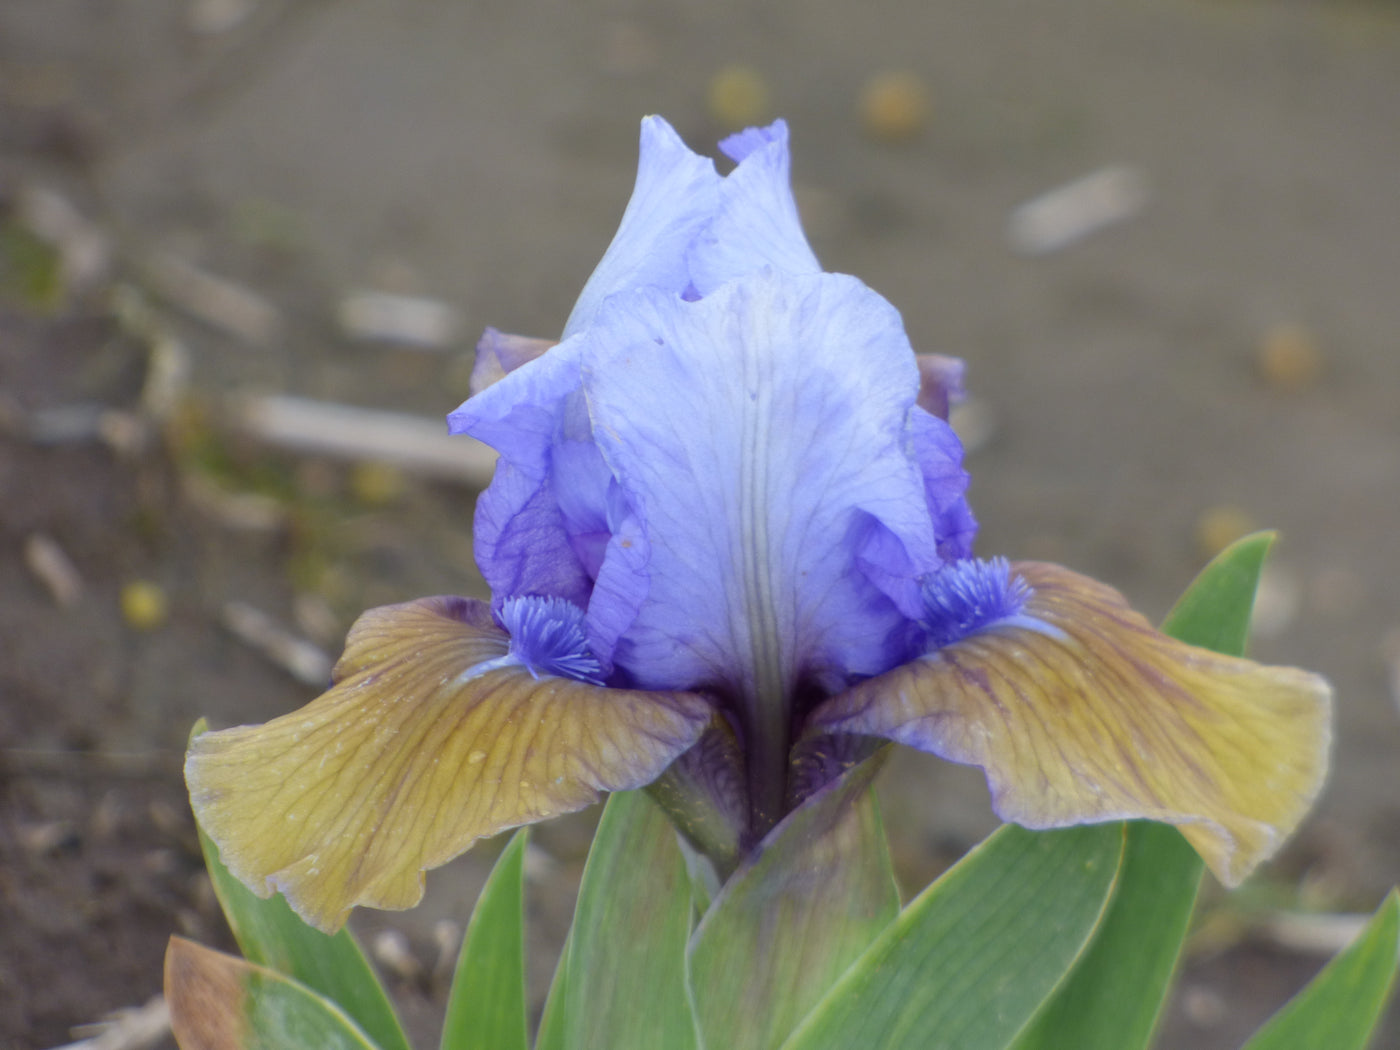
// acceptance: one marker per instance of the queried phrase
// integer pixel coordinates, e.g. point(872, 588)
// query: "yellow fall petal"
point(1094, 715)
point(416, 752)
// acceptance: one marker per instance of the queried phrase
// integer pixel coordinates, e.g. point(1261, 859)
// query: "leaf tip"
point(205, 993)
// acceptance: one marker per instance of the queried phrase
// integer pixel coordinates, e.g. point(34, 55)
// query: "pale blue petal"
point(757, 223)
point(756, 434)
point(740, 144)
point(674, 198)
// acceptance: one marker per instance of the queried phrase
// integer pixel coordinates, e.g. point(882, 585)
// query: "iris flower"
point(729, 551)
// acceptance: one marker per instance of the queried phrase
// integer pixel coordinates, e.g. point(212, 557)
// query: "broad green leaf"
point(968, 961)
point(269, 934)
point(794, 917)
point(1114, 998)
point(221, 1002)
point(625, 987)
point(1341, 1006)
point(486, 1008)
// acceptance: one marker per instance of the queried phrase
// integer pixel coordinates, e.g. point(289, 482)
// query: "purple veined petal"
point(757, 223)
point(581, 482)
point(754, 434)
point(887, 563)
point(522, 541)
point(500, 353)
point(675, 196)
point(525, 539)
point(936, 448)
point(940, 383)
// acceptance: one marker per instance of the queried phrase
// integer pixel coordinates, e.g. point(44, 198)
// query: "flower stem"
point(767, 755)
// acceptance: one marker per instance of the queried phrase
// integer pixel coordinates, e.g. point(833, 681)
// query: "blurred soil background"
point(198, 197)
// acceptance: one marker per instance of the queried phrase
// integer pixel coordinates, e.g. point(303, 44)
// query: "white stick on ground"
point(307, 663)
point(54, 569)
point(417, 444)
point(410, 320)
point(132, 1028)
point(1071, 212)
point(215, 300)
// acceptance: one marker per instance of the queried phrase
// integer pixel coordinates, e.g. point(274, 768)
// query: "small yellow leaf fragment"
point(377, 484)
point(894, 106)
point(1288, 358)
point(737, 97)
point(1221, 525)
point(144, 605)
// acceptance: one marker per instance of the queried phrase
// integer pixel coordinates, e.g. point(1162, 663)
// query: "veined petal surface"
point(778, 434)
point(673, 200)
point(756, 222)
point(430, 739)
point(1079, 711)
point(499, 353)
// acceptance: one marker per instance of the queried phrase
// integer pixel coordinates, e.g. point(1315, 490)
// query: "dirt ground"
point(1226, 356)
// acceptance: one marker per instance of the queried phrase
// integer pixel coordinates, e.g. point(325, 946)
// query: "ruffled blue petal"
point(674, 198)
point(757, 436)
point(939, 453)
point(756, 224)
point(530, 519)
point(500, 353)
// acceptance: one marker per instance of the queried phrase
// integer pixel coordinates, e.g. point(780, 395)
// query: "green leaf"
point(1113, 1000)
point(486, 1007)
point(794, 917)
point(625, 985)
point(1341, 1006)
point(269, 934)
point(971, 958)
point(1215, 611)
point(221, 1002)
